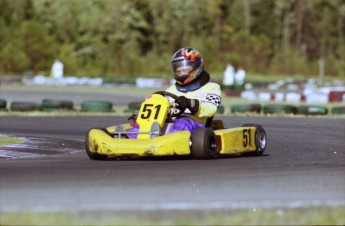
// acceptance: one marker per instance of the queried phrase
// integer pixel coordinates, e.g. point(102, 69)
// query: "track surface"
point(304, 166)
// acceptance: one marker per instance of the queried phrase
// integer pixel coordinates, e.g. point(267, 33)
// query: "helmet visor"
point(181, 70)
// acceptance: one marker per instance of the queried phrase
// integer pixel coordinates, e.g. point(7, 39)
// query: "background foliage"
point(138, 37)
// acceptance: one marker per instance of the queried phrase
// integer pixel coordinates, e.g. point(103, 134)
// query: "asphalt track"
point(303, 166)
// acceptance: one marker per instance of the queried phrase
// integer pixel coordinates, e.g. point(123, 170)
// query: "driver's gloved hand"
point(134, 116)
point(184, 102)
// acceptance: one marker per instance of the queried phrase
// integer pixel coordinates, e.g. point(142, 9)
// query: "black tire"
point(204, 144)
point(56, 105)
point(260, 140)
point(242, 108)
point(277, 108)
point(128, 111)
point(24, 106)
point(92, 155)
point(3, 104)
point(96, 106)
point(338, 110)
point(312, 110)
point(134, 105)
point(220, 109)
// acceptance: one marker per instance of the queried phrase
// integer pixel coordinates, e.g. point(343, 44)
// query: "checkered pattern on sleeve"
point(213, 98)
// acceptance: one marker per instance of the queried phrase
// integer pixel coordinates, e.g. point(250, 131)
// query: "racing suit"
point(209, 97)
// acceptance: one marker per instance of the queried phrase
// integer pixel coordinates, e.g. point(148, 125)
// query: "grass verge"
point(5, 140)
point(295, 216)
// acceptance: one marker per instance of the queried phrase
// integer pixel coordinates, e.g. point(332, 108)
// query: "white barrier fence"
point(41, 80)
point(319, 96)
point(152, 82)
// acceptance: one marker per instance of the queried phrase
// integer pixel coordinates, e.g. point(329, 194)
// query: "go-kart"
point(155, 119)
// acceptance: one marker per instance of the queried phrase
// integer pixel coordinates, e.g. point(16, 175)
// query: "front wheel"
point(260, 139)
point(204, 144)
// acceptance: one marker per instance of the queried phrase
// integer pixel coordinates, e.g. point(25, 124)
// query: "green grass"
point(296, 216)
point(5, 140)
point(120, 89)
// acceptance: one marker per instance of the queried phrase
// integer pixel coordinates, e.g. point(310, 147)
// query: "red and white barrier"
point(319, 96)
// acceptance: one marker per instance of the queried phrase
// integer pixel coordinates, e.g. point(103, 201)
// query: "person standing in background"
point(229, 77)
point(239, 78)
point(57, 69)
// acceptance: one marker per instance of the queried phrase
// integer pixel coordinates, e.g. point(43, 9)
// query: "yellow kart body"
point(165, 145)
point(153, 138)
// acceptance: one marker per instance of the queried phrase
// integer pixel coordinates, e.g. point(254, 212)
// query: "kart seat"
point(208, 122)
point(214, 124)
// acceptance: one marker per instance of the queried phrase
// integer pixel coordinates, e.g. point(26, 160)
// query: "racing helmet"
point(187, 65)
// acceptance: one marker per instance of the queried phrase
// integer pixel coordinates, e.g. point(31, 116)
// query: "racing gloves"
point(184, 102)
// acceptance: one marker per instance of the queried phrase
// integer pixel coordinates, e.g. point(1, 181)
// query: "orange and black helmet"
point(187, 65)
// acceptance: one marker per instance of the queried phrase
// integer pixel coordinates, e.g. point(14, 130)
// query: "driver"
point(198, 98)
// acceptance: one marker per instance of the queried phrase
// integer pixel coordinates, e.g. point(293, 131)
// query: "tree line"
point(138, 37)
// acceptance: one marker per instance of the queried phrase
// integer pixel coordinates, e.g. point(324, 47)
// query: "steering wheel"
point(174, 114)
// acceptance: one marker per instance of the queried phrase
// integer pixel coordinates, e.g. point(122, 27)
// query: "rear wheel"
point(204, 144)
point(93, 155)
point(260, 140)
